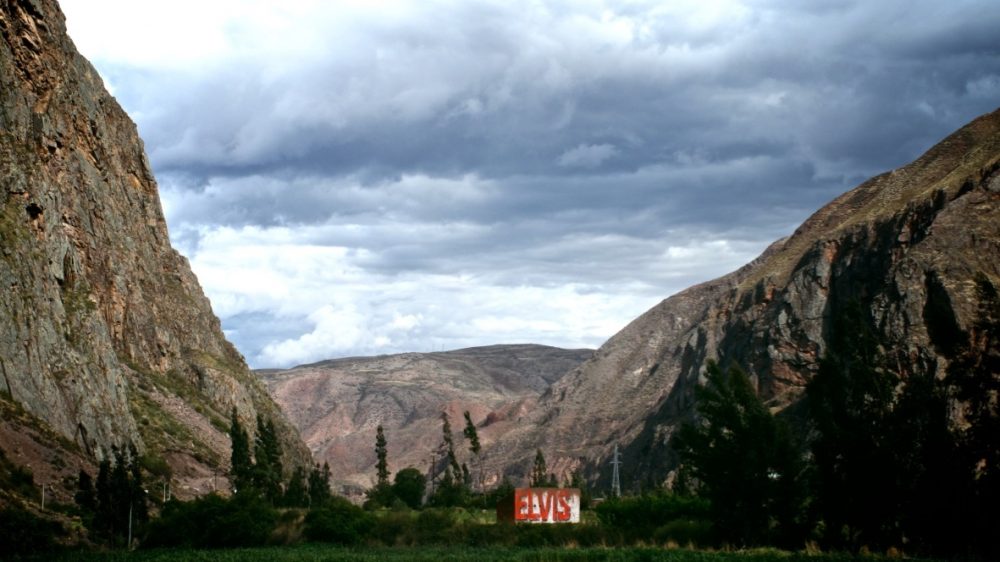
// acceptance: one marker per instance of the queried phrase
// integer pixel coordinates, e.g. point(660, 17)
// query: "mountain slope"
point(108, 338)
point(338, 404)
point(906, 245)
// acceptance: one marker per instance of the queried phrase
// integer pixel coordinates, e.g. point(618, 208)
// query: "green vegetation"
point(887, 465)
point(16, 479)
point(25, 533)
point(746, 462)
point(316, 553)
point(381, 494)
point(213, 522)
point(241, 471)
point(408, 486)
point(540, 476)
point(160, 430)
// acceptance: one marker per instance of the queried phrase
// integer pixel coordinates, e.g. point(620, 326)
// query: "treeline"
point(890, 459)
point(453, 483)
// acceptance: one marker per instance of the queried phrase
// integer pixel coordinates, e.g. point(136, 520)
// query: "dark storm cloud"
point(564, 152)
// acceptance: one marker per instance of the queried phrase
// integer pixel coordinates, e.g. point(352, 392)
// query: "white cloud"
point(587, 155)
point(343, 308)
point(362, 177)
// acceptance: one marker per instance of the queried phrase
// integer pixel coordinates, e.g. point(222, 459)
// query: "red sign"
point(547, 505)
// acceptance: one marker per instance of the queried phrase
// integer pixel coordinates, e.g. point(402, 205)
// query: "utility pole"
point(616, 484)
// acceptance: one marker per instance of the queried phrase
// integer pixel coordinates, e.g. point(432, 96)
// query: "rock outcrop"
point(107, 337)
point(906, 245)
point(338, 404)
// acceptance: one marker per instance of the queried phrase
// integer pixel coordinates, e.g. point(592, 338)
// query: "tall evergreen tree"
point(267, 468)
point(319, 485)
point(850, 402)
point(297, 494)
point(472, 435)
point(121, 494)
point(103, 522)
point(86, 496)
point(241, 471)
point(137, 495)
point(577, 481)
point(474, 446)
point(448, 444)
point(539, 471)
point(745, 459)
point(382, 463)
point(120, 498)
point(381, 493)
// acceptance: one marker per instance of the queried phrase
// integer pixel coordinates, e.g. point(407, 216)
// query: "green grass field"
point(315, 553)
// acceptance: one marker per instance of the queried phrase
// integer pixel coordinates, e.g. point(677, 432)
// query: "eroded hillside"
point(338, 404)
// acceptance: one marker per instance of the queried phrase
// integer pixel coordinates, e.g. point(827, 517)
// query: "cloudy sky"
point(363, 177)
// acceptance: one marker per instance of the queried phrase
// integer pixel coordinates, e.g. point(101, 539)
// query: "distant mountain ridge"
point(337, 404)
point(906, 245)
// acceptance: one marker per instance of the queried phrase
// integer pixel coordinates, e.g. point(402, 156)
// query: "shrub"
point(339, 522)
point(396, 528)
point(26, 533)
point(214, 522)
point(434, 525)
point(641, 517)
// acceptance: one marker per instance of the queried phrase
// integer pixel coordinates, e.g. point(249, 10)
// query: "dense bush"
point(24, 532)
point(339, 522)
point(660, 516)
point(213, 522)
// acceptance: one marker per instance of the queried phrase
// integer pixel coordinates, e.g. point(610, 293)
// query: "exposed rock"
point(338, 404)
point(906, 245)
point(107, 335)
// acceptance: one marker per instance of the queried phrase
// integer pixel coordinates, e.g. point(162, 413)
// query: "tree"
point(381, 493)
point(539, 472)
point(137, 496)
point(86, 496)
point(120, 498)
point(745, 459)
point(450, 490)
point(381, 465)
point(241, 471)
point(577, 481)
point(267, 468)
point(474, 446)
point(297, 494)
point(319, 485)
point(448, 444)
point(104, 519)
point(974, 377)
point(409, 486)
point(850, 403)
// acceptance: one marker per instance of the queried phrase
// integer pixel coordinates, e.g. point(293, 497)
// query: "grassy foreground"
point(317, 553)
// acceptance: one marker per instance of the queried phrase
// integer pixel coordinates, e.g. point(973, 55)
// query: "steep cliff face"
point(107, 336)
point(338, 404)
point(906, 245)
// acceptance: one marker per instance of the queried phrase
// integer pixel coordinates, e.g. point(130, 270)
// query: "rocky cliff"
point(107, 337)
point(906, 245)
point(338, 404)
